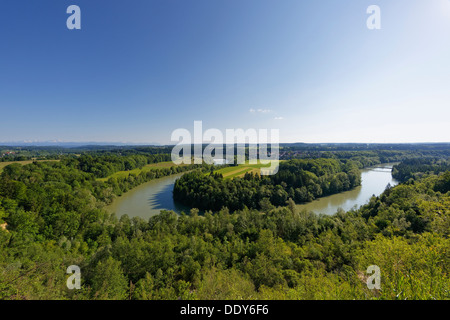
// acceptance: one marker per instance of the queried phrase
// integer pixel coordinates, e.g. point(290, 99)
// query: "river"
point(148, 199)
point(374, 182)
point(151, 197)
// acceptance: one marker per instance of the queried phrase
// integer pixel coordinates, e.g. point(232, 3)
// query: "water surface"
point(148, 199)
point(374, 182)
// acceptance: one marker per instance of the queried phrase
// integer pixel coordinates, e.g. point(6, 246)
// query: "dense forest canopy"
point(58, 199)
point(416, 167)
point(53, 216)
point(299, 180)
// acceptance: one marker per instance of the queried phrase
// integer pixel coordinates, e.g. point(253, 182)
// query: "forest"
point(53, 216)
point(415, 168)
point(299, 180)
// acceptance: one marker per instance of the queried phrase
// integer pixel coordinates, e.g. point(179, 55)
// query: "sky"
point(138, 70)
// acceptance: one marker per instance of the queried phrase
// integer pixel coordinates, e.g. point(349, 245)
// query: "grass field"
point(4, 164)
point(149, 167)
point(241, 170)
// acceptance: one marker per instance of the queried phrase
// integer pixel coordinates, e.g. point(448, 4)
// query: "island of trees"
point(298, 180)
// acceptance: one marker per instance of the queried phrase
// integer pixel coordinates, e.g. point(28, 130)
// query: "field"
point(4, 164)
point(149, 167)
point(227, 172)
point(241, 170)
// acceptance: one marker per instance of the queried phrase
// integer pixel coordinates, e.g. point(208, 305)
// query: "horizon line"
point(157, 144)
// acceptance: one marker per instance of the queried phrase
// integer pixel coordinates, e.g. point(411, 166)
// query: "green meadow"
point(7, 163)
point(137, 171)
point(241, 169)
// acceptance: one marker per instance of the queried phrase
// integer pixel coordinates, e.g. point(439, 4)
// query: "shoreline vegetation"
point(55, 218)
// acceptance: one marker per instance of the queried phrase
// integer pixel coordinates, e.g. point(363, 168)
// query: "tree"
point(291, 205)
point(108, 281)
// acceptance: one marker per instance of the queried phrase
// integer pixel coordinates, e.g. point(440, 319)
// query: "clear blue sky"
point(137, 70)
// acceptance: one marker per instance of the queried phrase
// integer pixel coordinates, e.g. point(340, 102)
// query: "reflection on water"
point(162, 198)
point(374, 182)
point(148, 199)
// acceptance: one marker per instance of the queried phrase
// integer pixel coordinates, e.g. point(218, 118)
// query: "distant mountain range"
point(72, 144)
